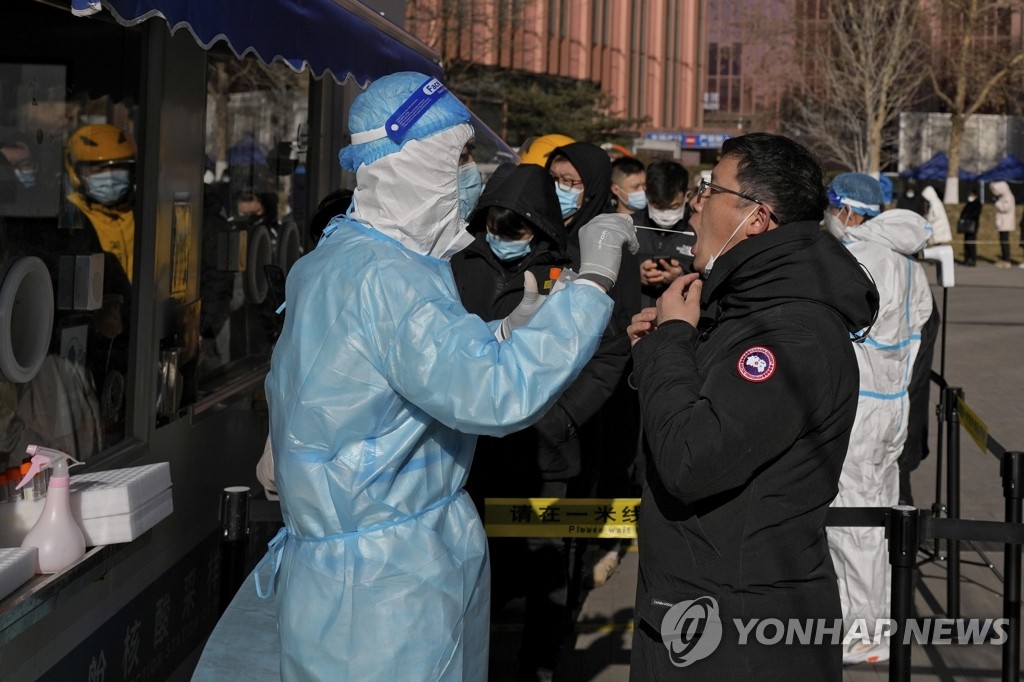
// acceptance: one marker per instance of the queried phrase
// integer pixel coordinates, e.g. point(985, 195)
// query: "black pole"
point(953, 500)
point(234, 521)
point(1013, 492)
point(902, 530)
point(940, 414)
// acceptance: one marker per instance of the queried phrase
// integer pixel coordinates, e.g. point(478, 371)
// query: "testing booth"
point(160, 163)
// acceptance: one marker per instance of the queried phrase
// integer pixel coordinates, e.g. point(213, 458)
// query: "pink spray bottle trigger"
point(42, 457)
point(38, 462)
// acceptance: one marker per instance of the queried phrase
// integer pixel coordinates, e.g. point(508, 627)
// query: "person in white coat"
point(885, 245)
point(1006, 212)
point(379, 385)
point(936, 216)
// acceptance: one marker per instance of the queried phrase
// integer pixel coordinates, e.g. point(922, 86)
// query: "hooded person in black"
point(602, 375)
point(492, 286)
point(600, 395)
point(517, 227)
point(748, 388)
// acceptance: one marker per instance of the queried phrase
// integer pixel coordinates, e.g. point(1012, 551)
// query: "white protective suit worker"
point(885, 245)
point(378, 387)
point(937, 216)
point(1006, 219)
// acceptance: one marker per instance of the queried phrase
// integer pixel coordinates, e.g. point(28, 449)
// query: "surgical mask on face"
point(27, 178)
point(567, 200)
point(636, 201)
point(107, 187)
point(508, 250)
point(666, 217)
point(471, 185)
point(711, 261)
point(836, 227)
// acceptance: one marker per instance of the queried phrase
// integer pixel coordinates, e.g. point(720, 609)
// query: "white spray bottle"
point(56, 534)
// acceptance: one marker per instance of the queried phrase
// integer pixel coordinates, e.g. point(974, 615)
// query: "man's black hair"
point(665, 180)
point(625, 166)
point(334, 204)
point(781, 173)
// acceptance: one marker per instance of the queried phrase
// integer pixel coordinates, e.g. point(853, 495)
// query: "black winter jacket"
point(748, 419)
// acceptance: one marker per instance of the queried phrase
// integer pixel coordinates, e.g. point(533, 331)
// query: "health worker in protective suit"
point(378, 387)
point(885, 245)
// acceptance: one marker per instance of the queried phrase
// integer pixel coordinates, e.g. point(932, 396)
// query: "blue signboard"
point(689, 140)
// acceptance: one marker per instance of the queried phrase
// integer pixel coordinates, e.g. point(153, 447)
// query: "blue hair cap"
point(371, 110)
point(859, 192)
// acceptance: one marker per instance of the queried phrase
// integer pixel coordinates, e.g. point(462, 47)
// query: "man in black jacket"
point(748, 389)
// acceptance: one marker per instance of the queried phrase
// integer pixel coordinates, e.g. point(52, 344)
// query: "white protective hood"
point(937, 216)
point(899, 229)
point(412, 195)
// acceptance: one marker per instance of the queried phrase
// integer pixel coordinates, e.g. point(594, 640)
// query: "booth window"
point(68, 123)
point(254, 205)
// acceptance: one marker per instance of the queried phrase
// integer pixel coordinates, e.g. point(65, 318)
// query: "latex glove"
point(532, 300)
point(601, 242)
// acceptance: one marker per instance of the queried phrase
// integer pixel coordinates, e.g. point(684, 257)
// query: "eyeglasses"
point(705, 186)
point(565, 182)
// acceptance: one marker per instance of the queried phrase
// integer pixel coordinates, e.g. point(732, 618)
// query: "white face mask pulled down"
point(711, 261)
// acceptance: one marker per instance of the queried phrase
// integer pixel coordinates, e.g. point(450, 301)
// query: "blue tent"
point(1010, 169)
point(935, 168)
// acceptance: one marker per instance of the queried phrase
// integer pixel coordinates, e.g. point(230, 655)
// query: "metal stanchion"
point(940, 415)
point(902, 529)
point(953, 499)
point(234, 520)
point(1012, 472)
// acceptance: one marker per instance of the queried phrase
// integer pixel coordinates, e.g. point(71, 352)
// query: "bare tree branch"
point(867, 69)
point(979, 72)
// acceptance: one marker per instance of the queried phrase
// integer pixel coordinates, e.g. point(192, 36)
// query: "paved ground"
point(984, 347)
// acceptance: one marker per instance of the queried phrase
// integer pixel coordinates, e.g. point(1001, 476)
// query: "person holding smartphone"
point(665, 251)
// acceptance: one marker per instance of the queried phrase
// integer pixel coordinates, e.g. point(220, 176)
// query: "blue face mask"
point(471, 185)
point(567, 200)
point(108, 187)
point(27, 178)
point(636, 201)
point(508, 250)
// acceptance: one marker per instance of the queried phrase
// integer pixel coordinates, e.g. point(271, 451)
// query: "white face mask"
point(711, 261)
point(666, 217)
point(836, 227)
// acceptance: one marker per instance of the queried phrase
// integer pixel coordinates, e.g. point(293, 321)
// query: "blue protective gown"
point(378, 386)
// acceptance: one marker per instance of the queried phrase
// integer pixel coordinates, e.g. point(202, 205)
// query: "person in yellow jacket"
point(100, 165)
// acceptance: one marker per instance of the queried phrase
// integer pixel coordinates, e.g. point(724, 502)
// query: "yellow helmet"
point(536, 151)
point(97, 144)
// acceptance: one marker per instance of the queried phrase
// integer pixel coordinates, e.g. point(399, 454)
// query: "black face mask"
point(247, 220)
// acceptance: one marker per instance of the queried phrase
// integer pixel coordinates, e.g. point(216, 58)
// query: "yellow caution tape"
point(972, 423)
point(555, 517)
